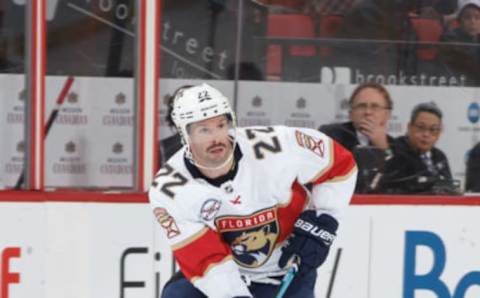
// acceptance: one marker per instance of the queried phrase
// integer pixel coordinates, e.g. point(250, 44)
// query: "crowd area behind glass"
point(433, 43)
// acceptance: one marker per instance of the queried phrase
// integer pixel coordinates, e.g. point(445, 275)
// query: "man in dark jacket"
point(366, 134)
point(418, 166)
point(473, 170)
point(462, 56)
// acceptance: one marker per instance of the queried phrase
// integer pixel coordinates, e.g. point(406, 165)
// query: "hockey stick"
point(51, 119)
point(287, 279)
point(334, 273)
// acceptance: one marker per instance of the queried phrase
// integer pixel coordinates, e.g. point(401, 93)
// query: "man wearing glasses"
point(365, 135)
point(418, 166)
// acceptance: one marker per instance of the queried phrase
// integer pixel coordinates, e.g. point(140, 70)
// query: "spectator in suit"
point(472, 183)
point(418, 166)
point(370, 109)
point(462, 57)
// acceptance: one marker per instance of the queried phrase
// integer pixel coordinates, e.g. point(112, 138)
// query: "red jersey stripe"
point(341, 165)
point(196, 257)
point(287, 214)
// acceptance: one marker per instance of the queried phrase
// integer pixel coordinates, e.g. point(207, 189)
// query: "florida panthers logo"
point(252, 238)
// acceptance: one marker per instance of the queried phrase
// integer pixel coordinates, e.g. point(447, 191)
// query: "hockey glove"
point(310, 241)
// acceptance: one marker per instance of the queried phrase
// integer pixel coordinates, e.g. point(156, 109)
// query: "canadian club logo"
point(72, 97)
point(117, 148)
point(251, 238)
point(257, 101)
point(301, 103)
point(120, 98)
point(70, 147)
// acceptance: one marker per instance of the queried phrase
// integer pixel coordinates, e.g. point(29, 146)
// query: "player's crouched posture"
point(237, 204)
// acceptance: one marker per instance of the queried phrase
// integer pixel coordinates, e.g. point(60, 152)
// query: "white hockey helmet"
point(198, 103)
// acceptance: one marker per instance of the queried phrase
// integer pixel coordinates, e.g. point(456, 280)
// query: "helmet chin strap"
point(189, 156)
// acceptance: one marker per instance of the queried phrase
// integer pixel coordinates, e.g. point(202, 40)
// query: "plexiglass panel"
point(12, 91)
point(297, 63)
point(90, 62)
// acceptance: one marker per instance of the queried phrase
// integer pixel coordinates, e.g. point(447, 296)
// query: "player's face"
point(369, 105)
point(470, 20)
point(424, 132)
point(210, 142)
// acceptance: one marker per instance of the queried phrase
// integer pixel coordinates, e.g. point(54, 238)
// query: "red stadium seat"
point(329, 27)
point(287, 25)
point(427, 30)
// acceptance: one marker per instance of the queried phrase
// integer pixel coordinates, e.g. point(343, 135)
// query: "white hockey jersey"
point(218, 233)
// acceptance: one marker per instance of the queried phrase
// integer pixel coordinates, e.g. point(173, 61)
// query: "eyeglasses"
point(433, 130)
point(362, 107)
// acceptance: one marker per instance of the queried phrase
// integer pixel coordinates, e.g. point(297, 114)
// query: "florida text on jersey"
point(238, 226)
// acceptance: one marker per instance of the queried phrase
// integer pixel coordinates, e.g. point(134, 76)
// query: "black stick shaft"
point(334, 273)
point(53, 115)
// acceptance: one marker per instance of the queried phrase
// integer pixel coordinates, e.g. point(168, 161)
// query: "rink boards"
point(81, 244)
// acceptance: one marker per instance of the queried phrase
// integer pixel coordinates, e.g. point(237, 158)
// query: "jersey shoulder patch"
point(310, 141)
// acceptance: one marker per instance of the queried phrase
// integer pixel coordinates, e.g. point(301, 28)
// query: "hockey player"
point(237, 205)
